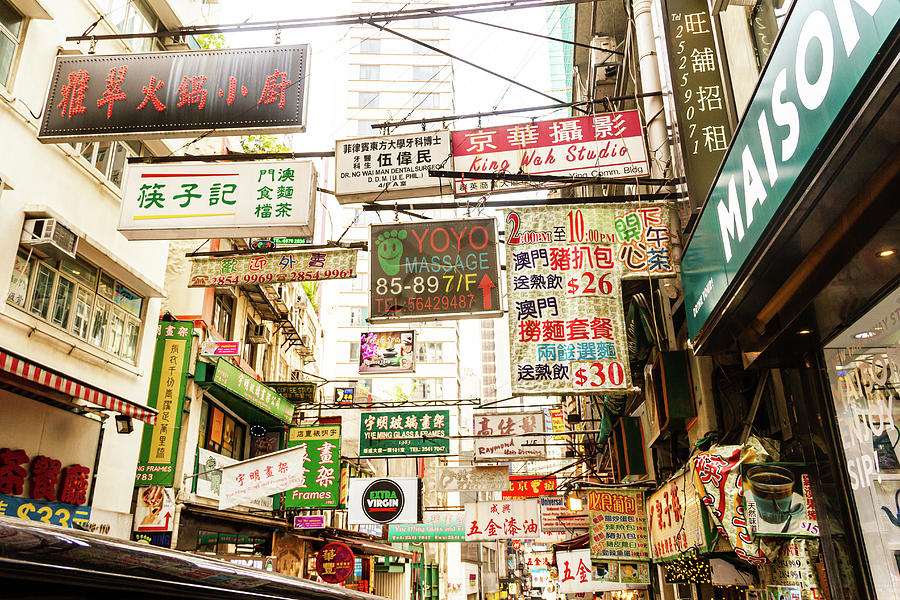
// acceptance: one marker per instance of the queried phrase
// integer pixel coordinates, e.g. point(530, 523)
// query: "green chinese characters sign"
point(272, 267)
point(159, 444)
point(321, 467)
point(404, 433)
point(258, 394)
point(436, 526)
point(822, 53)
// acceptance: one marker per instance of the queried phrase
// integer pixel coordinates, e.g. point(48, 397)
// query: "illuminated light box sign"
point(176, 94)
point(385, 500)
point(387, 352)
point(210, 200)
point(321, 486)
point(274, 267)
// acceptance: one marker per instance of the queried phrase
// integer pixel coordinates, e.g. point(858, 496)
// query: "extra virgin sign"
point(170, 94)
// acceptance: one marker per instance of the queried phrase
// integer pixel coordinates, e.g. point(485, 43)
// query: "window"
point(250, 349)
point(420, 49)
point(223, 311)
point(10, 31)
point(430, 352)
point(370, 46)
point(358, 316)
point(110, 157)
point(220, 432)
point(369, 99)
point(132, 17)
point(354, 352)
point(358, 283)
point(426, 23)
point(428, 389)
point(424, 73)
point(428, 101)
point(370, 72)
point(364, 127)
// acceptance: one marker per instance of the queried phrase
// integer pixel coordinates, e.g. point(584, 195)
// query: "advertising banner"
point(295, 392)
point(176, 94)
point(540, 577)
point(618, 525)
point(518, 446)
point(504, 520)
point(436, 526)
point(384, 500)
point(605, 145)
point(155, 509)
point(391, 167)
point(263, 476)
point(321, 486)
point(159, 443)
point(274, 267)
point(256, 393)
point(676, 519)
point(214, 348)
point(434, 269)
point(529, 486)
point(574, 569)
point(209, 479)
point(404, 433)
point(556, 516)
point(309, 522)
point(387, 352)
point(55, 513)
point(208, 200)
point(468, 479)
point(778, 500)
point(793, 573)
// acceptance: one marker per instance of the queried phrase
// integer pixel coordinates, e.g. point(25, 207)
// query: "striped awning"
point(56, 381)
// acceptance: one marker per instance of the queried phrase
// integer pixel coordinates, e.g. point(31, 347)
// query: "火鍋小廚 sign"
point(436, 526)
point(823, 51)
point(607, 145)
point(618, 525)
point(322, 478)
point(201, 200)
point(520, 444)
point(391, 167)
point(256, 393)
point(273, 267)
point(175, 94)
point(159, 444)
point(404, 433)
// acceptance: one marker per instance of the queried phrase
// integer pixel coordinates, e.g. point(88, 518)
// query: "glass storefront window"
point(129, 345)
point(18, 284)
point(864, 371)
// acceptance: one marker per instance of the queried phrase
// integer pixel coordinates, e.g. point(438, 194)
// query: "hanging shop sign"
point(159, 443)
point(606, 145)
point(618, 525)
point(176, 94)
point(55, 494)
point(256, 393)
point(208, 200)
point(540, 577)
point(434, 269)
point(404, 433)
point(676, 519)
point(387, 352)
point(468, 479)
point(529, 486)
point(335, 562)
point(275, 267)
point(209, 479)
point(558, 422)
point(216, 348)
point(504, 520)
point(344, 395)
point(385, 500)
point(436, 526)
point(556, 516)
point(778, 500)
point(518, 446)
point(295, 392)
point(823, 51)
point(154, 509)
point(263, 476)
point(321, 447)
point(56, 513)
point(793, 573)
point(309, 521)
point(391, 167)
point(574, 569)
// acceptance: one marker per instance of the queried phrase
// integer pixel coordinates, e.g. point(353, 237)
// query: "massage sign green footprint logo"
point(390, 250)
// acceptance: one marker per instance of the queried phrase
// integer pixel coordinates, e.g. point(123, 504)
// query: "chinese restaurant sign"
point(436, 526)
point(159, 443)
point(385, 500)
point(618, 525)
point(55, 494)
point(175, 94)
point(258, 394)
point(209, 481)
point(404, 433)
point(295, 392)
point(503, 520)
point(556, 516)
point(208, 200)
point(335, 562)
point(606, 145)
point(387, 352)
point(823, 51)
point(468, 479)
point(263, 476)
point(434, 269)
point(518, 446)
point(391, 167)
point(676, 519)
point(529, 486)
point(575, 573)
point(273, 267)
point(321, 448)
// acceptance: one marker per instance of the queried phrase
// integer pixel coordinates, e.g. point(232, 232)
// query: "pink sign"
point(310, 522)
point(214, 348)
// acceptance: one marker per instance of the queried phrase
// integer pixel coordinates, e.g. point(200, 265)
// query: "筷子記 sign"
point(175, 94)
point(404, 433)
point(391, 167)
point(321, 487)
point(618, 525)
point(606, 145)
point(385, 500)
point(503, 520)
point(208, 200)
point(519, 445)
point(274, 267)
point(387, 352)
point(436, 526)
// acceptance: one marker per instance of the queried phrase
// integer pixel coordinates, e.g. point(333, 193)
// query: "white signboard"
point(382, 500)
point(155, 509)
point(518, 446)
point(468, 479)
point(210, 200)
point(263, 476)
point(556, 516)
point(540, 578)
point(209, 481)
point(574, 570)
point(502, 520)
point(391, 167)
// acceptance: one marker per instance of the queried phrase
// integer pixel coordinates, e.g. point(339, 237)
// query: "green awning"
point(251, 400)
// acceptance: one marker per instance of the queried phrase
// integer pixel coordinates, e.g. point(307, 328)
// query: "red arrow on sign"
point(485, 287)
point(168, 516)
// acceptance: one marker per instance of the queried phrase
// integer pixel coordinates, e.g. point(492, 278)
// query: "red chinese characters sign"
point(170, 94)
point(504, 520)
point(574, 570)
point(618, 525)
point(334, 562)
point(530, 486)
point(49, 480)
point(676, 518)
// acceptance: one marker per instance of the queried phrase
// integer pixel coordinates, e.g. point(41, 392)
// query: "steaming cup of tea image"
point(773, 488)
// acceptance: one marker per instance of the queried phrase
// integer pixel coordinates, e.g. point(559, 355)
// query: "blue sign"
point(54, 513)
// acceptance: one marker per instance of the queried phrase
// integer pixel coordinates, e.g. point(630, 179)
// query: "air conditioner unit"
point(50, 237)
point(258, 335)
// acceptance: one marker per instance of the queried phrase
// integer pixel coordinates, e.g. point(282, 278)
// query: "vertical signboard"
point(159, 444)
point(575, 573)
point(618, 525)
point(404, 433)
point(322, 478)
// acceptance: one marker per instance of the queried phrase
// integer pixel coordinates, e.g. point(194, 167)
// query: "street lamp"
point(124, 424)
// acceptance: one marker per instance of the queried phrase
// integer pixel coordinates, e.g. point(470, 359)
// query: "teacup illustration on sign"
point(777, 500)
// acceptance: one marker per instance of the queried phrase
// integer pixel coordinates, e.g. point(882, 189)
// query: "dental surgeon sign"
point(822, 53)
point(434, 269)
point(380, 501)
